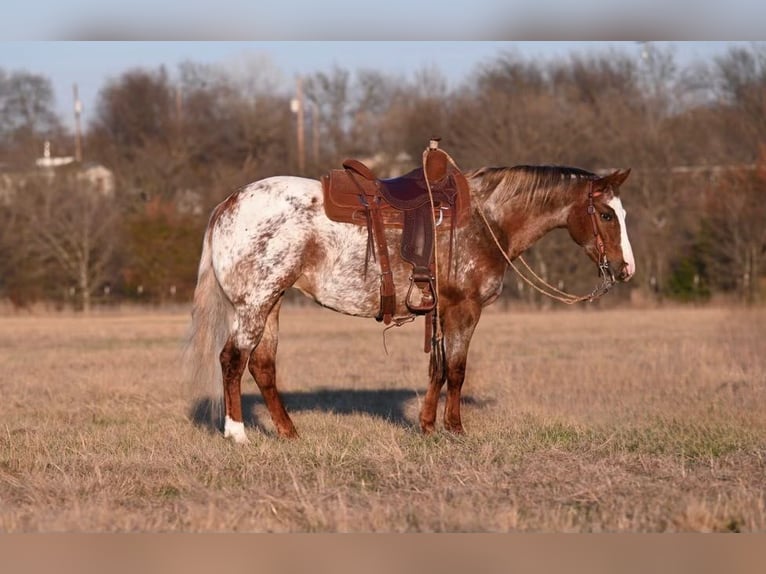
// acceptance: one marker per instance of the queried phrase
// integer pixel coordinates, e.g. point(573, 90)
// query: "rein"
point(437, 365)
point(607, 277)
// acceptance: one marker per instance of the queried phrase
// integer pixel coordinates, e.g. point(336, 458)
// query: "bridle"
point(604, 269)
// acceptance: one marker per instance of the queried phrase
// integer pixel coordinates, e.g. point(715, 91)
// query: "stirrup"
point(427, 294)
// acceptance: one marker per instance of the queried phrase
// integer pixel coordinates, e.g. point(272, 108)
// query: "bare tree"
point(234, 128)
point(162, 251)
point(740, 83)
point(73, 229)
point(500, 117)
point(376, 98)
point(22, 274)
point(27, 116)
point(331, 93)
point(135, 133)
point(734, 238)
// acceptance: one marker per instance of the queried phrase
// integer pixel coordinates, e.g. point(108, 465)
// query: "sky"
point(92, 64)
point(387, 20)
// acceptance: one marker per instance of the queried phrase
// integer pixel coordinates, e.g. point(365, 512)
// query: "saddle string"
point(554, 293)
point(396, 322)
point(370, 242)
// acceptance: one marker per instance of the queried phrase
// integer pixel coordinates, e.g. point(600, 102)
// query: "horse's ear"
point(617, 178)
point(614, 180)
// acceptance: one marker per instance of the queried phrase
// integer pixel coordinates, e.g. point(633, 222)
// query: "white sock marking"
point(235, 430)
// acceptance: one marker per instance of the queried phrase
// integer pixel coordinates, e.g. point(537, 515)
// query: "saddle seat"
point(355, 195)
point(410, 191)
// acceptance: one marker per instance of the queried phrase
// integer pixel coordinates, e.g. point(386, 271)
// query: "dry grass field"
point(577, 421)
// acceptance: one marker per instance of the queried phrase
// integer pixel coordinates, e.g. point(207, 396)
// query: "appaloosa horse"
point(273, 234)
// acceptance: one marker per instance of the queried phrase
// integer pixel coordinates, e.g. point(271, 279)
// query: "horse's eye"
point(606, 216)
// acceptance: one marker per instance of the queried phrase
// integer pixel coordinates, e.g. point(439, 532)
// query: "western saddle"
point(429, 198)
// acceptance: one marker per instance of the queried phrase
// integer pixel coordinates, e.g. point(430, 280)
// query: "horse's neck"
point(520, 227)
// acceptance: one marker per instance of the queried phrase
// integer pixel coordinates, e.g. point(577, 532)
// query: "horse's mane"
point(533, 185)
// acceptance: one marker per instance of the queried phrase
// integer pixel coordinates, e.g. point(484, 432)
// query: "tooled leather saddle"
point(429, 198)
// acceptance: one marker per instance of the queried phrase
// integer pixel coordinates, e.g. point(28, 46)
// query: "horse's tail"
point(211, 325)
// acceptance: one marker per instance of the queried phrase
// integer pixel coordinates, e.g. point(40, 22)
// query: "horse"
point(273, 234)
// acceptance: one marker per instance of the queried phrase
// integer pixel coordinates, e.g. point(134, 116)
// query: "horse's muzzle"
point(607, 271)
point(625, 273)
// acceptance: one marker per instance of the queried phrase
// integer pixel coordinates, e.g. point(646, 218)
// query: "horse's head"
point(597, 223)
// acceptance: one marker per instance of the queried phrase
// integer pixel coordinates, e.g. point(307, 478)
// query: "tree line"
point(178, 142)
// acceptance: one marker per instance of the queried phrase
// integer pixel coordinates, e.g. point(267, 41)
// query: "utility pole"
point(315, 132)
point(296, 105)
point(179, 104)
point(77, 129)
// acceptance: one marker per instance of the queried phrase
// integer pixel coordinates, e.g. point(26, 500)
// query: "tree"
point(331, 94)
point(22, 274)
point(423, 111)
point(27, 116)
point(234, 128)
point(499, 118)
point(734, 241)
point(376, 97)
point(740, 83)
point(73, 231)
point(135, 132)
point(205, 134)
point(163, 249)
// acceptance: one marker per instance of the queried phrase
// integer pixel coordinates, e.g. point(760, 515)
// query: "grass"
point(578, 421)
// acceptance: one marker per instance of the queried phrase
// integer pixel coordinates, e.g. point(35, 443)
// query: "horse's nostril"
point(625, 272)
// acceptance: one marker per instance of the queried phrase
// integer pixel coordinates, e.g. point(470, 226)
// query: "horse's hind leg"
point(263, 367)
point(233, 362)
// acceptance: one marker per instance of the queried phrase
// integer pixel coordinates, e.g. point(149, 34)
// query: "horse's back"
point(267, 198)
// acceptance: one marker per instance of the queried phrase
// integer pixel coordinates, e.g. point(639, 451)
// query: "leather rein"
point(605, 271)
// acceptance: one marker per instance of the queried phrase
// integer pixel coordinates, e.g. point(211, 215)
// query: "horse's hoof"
point(235, 430)
point(288, 433)
point(240, 439)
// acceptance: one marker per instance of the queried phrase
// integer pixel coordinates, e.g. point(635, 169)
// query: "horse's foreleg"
point(263, 367)
point(455, 378)
point(459, 324)
point(233, 365)
point(431, 401)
